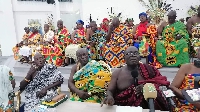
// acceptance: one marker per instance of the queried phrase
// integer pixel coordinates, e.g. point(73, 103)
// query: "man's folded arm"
point(71, 83)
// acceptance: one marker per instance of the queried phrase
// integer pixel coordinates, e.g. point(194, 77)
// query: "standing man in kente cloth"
point(118, 39)
point(172, 49)
point(193, 27)
point(96, 38)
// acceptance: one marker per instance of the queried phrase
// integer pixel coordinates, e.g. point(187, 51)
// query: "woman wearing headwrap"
point(7, 85)
point(144, 36)
point(78, 41)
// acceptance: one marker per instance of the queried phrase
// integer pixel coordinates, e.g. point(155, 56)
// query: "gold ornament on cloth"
point(157, 9)
point(50, 22)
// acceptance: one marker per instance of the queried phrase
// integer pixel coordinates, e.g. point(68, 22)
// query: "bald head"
point(81, 50)
point(60, 24)
point(39, 60)
point(172, 13)
point(115, 22)
point(131, 49)
point(82, 56)
point(46, 28)
point(172, 17)
point(132, 56)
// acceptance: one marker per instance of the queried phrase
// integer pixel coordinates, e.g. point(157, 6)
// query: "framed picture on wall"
point(35, 23)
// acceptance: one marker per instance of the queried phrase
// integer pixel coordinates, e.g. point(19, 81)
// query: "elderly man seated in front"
point(40, 83)
point(121, 90)
point(88, 80)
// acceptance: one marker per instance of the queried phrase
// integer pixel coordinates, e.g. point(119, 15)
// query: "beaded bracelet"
point(26, 80)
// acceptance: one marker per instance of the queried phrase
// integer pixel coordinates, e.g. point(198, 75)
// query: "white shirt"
point(49, 36)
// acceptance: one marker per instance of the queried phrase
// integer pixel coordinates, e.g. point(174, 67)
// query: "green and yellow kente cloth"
point(93, 78)
point(172, 52)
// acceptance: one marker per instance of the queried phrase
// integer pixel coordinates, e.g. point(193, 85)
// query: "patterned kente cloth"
point(150, 75)
point(195, 41)
point(172, 52)
point(92, 78)
point(6, 91)
point(78, 42)
point(147, 46)
point(96, 52)
point(183, 105)
point(120, 39)
point(61, 40)
point(48, 75)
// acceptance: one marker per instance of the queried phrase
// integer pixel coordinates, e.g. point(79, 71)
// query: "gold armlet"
point(26, 80)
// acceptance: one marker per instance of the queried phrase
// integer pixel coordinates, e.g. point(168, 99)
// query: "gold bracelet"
point(26, 80)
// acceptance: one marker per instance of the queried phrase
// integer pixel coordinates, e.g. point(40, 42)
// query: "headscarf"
point(130, 19)
point(80, 22)
point(105, 19)
point(5, 84)
point(143, 14)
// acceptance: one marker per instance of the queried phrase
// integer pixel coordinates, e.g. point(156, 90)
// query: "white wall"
point(129, 8)
point(14, 17)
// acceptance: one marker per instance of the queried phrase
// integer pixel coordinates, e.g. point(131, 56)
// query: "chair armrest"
point(17, 94)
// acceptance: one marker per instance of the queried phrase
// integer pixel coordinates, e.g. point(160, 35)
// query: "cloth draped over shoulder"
point(48, 75)
point(172, 52)
point(6, 90)
point(120, 39)
point(150, 75)
point(93, 78)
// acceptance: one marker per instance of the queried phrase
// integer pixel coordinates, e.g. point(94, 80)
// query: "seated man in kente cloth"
point(193, 27)
point(121, 90)
point(88, 81)
point(40, 83)
point(144, 36)
point(96, 38)
point(118, 39)
point(172, 49)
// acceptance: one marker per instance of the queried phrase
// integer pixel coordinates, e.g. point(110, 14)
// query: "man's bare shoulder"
point(117, 72)
point(186, 67)
point(74, 67)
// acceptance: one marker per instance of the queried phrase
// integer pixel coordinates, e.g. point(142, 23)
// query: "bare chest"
point(125, 80)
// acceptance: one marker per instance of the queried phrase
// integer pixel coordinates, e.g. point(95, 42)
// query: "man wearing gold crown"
point(172, 49)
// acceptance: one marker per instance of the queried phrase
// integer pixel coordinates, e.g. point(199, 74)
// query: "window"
point(46, 0)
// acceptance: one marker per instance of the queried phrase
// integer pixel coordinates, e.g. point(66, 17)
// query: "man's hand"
point(109, 100)
point(139, 89)
point(42, 93)
point(83, 95)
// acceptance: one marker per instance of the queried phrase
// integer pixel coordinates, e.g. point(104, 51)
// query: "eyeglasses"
point(131, 53)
